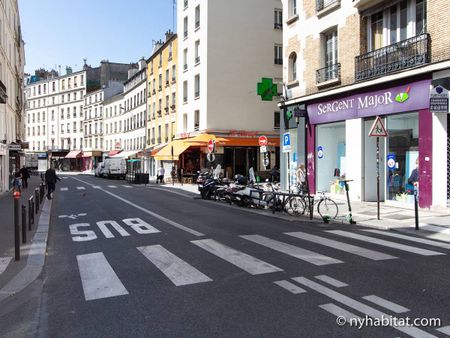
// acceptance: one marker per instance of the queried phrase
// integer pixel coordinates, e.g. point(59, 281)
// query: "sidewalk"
point(16, 275)
point(432, 224)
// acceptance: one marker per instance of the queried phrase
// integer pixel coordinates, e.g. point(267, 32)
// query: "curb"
point(36, 256)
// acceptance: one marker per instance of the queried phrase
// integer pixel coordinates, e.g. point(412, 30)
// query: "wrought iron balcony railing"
point(325, 74)
point(408, 53)
point(322, 4)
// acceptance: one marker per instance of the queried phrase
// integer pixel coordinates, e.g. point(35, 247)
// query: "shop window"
point(331, 157)
point(403, 147)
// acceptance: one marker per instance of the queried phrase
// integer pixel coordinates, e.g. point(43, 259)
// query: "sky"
point(64, 32)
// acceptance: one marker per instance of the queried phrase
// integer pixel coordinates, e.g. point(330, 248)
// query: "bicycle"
point(326, 207)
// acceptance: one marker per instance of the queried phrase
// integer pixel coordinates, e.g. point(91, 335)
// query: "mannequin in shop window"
point(301, 177)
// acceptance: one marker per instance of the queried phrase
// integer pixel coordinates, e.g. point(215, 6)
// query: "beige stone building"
point(347, 62)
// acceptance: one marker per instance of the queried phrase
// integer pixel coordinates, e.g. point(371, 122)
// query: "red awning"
point(73, 154)
point(113, 152)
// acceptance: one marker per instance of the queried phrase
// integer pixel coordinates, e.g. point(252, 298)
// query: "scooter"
point(349, 215)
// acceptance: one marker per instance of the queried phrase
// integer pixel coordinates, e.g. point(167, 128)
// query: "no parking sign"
point(320, 152)
point(391, 161)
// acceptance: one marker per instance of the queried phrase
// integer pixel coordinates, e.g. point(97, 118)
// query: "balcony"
point(197, 60)
point(278, 61)
point(325, 6)
point(197, 94)
point(166, 139)
point(185, 67)
point(153, 140)
point(159, 113)
point(159, 140)
point(197, 24)
point(167, 110)
point(174, 80)
point(167, 83)
point(405, 54)
point(278, 25)
point(328, 75)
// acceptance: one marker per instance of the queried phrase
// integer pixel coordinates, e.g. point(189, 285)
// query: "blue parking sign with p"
point(286, 139)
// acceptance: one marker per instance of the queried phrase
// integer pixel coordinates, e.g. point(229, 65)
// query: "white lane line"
point(386, 304)
point(98, 278)
point(127, 186)
point(151, 213)
point(356, 250)
point(339, 312)
point(64, 189)
point(358, 306)
point(445, 330)
point(81, 188)
point(64, 178)
point(178, 271)
point(112, 186)
point(96, 187)
point(291, 250)
point(292, 288)
point(331, 281)
point(4, 262)
point(435, 228)
point(410, 238)
point(389, 244)
point(248, 263)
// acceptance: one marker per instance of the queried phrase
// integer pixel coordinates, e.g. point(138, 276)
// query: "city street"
point(134, 261)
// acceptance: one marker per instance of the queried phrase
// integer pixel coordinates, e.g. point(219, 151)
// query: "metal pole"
point(416, 208)
point(24, 224)
point(378, 178)
point(30, 214)
point(16, 230)
point(289, 171)
point(36, 196)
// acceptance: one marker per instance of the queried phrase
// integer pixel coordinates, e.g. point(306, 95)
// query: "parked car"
point(115, 168)
point(99, 171)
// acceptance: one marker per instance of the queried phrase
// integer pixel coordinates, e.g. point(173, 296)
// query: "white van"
point(115, 168)
point(99, 171)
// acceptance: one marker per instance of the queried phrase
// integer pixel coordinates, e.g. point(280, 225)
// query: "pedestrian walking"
point(301, 177)
point(160, 177)
point(16, 182)
point(50, 179)
point(25, 176)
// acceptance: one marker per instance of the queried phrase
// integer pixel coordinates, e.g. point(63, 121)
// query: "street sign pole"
point(378, 178)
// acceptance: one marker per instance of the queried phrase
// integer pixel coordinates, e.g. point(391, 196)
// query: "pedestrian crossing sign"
point(378, 128)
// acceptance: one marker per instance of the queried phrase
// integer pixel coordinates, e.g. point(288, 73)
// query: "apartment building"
point(347, 62)
point(133, 116)
point(221, 62)
point(93, 124)
point(55, 112)
point(113, 125)
point(162, 101)
point(12, 61)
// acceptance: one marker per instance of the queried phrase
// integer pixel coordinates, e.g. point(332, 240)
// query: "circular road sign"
point(211, 157)
point(262, 141)
point(211, 146)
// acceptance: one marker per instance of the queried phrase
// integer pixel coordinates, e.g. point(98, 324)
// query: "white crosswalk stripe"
point(4, 262)
point(292, 288)
point(332, 281)
point(356, 250)
point(112, 186)
point(250, 264)
point(389, 244)
point(339, 312)
point(445, 330)
point(386, 304)
point(64, 189)
point(98, 277)
point(291, 250)
point(410, 238)
point(358, 306)
point(81, 188)
point(178, 271)
point(127, 186)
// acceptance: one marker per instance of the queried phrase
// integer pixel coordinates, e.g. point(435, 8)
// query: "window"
point(421, 21)
point(278, 19)
point(185, 92)
point(278, 55)
point(185, 29)
point(276, 120)
point(331, 56)
point(174, 72)
point(185, 53)
point(293, 67)
point(376, 30)
point(197, 120)
point(160, 82)
point(173, 100)
point(197, 86)
point(293, 8)
point(167, 78)
point(170, 51)
point(43, 116)
point(197, 52)
point(74, 127)
point(185, 121)
point(197, 17)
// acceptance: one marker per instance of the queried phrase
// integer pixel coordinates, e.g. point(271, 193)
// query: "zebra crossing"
point(111, 186)
point(102, 281)
point(4, 262)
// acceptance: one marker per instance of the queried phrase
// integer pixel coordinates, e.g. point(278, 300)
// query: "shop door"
point(370, 164)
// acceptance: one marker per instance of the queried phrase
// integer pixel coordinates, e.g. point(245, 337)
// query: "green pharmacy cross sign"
point(267, 89)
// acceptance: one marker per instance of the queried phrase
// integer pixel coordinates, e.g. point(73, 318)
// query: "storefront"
point(90, 159)
point(4, 175)
point(72, 161)
point(339, 146)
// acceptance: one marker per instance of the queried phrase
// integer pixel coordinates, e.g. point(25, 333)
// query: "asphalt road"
point(134, 261)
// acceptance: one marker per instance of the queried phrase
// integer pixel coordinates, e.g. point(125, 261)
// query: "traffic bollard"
point(36, 196)
point(24, 224)
point(16, 226)
point(416, 208)
point(30, 212)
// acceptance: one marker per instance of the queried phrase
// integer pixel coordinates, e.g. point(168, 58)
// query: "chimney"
point(169, 34)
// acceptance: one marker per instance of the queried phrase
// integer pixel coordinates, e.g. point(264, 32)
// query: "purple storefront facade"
point(338, 145)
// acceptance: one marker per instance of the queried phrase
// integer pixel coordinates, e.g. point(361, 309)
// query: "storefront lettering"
point(368, 101)
point(335, 106)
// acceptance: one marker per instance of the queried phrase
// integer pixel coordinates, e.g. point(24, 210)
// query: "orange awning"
point(73, 154)
point(248, 142)
point(165, 153)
